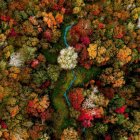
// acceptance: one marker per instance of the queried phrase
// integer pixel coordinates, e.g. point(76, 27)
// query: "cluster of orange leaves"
point(52, 21)
point(14, 111)
point(124, 55)
point(35, 131)
point(36, 106)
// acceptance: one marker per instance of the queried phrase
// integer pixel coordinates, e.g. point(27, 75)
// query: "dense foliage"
point(70, 69)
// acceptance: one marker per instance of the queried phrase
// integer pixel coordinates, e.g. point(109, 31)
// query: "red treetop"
point(76, 98)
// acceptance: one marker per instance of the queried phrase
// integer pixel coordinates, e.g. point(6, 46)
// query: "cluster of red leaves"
point(11, 22)
point(5, 18)
point(3, 124)
point(85, 40)
point(86, 115)
point(58, 5)
point(46, 115)
point(62, 6)
point(81, 32)
point(101, 25)
point(89, 115)
point(12, 33)
point(121, 110)
point(82, 28)
point(39, 108)
point(80, 40)
point(96, 9)
point(48, 34)
point(76, 98)
point(35, 62)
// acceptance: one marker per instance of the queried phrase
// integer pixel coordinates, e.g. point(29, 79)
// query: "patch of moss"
point(50, 57)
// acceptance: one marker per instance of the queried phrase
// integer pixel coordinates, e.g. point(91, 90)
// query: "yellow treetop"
point(92, 50)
